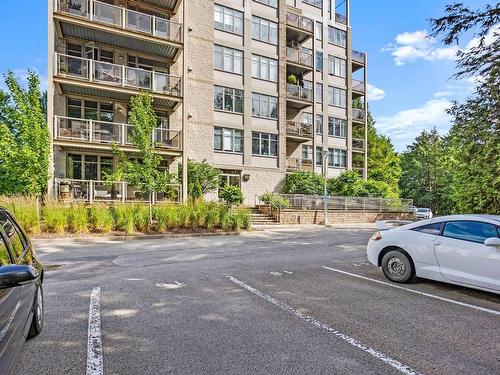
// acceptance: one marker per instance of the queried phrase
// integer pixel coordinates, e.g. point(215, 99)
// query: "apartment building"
point(257, 88)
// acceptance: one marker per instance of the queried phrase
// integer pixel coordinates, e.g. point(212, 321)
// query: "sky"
point(408, 73)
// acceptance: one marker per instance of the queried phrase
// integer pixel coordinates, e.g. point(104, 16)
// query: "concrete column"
point(184, 126)
point(50, 93)
point(247, 83)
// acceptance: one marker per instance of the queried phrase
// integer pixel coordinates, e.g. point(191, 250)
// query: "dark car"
point(21, 295)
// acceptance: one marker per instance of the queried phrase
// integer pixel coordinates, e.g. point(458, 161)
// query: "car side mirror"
point(13, 275)
point(493, 241)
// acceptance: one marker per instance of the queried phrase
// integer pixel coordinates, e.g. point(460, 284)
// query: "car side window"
point(434, 228)
point(4, 253)
point(14, 236)
point(473, 231)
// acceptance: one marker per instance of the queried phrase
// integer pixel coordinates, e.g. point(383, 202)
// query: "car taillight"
point(376, 236)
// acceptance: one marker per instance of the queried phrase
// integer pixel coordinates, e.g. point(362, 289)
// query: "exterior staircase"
point(259, 218)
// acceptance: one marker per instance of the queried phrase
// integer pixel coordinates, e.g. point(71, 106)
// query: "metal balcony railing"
point(358, 85)
point(299, 92)
point(299, 56)
point(297, 164)
point(117, 75)
point(102, 132)
point(359, 57)
point(358, 114)
point(358, 144)
point(123, 18)
point(300, 22)
point(297, 128)
point(103, 191)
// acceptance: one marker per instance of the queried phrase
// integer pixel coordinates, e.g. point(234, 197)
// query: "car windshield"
point(422, 210)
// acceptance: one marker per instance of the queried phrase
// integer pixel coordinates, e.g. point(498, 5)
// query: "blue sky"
point(409, 73)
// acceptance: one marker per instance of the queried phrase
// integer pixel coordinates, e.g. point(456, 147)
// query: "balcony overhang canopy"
point(170, 5)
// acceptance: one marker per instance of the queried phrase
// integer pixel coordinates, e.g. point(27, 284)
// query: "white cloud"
point(489, 38)
point(375, 93)
point(405, 125)
point(412, 46)
point(22, 74)
point(442, 94)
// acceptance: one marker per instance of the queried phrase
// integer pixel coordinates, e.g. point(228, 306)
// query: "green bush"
point(141, 217)
point(232, 195)
point(124, 217)
point(100, 218)
point(372, 188)
point(348, 184)
point(309, 183)
point(275, 200)
point(166, 217)
point(77, 219)
point(55, 218)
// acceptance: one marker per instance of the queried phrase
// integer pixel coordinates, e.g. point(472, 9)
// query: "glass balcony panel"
point(166, 83)
point(107, 13)
point(75, 129)
point(139, 21)
point(104, 191)
point(73, 66)
point(167, 138)
point(139, 78)
point(76, 7)
point(106, 132)
point(108, 73)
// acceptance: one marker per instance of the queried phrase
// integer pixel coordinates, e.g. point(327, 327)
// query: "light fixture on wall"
point(246, 177)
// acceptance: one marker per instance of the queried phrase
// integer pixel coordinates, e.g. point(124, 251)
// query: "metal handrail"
point(300, 22)
point(299, 164)
point(299, 56)
point(124, 18)
point(302, 129)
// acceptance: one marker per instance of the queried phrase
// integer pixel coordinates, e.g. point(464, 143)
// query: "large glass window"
point(319, 92)
point(319, 124)
point(318, 31)
point(230, 140)
point(316, 3)
point(91, 110)
point(307, 118)
point(307, 152)
point(228, 99)
point(319, 156)
point(264, 30)
point(264, 68)
point(264, 106)
point(337, 36)
point(264, 144)
point(319, 61)
point(228, 59)
point(88, 167)
point(228, 19)
point(337, 127)
point(337, 97)
point(473, 231)
point(271, 3)
point(337, 158)
point(336, 66)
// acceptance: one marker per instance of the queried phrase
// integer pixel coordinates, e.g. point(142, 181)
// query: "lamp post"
point(325, 193)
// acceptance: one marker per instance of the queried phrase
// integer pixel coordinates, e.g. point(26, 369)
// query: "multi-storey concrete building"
point(258, 88)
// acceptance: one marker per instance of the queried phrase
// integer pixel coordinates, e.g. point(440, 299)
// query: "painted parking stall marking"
point(350, 340)
point(94, 343)
point(483, 309)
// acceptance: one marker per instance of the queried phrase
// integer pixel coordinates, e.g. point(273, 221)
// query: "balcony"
point(101, 134)
point(297, 164)
point(358, 60)
point(102, 191)
point(97, 78)
point(300, 131)
point(358, 88)
point(300, 60)
point(118, 26)
point(299, 28)
point(358, 115)
point(298, 97)
point(358, 144)
point(340, 18)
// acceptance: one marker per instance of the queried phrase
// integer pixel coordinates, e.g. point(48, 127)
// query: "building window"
point(264, 68)
point(230, 140)
point(307, 118)
point(307, 152)
point(229, 177)
point(336, 36)
point(264, 106)
point(88, 167)
point(337, 127)
point(264, 144)
point(319, 61)
point(337, 158)
point(228, 59)
point(228, 99)
point(319, 156)
point(319, 31)
point(316, 3)
point(336, 66)
point(90, 110)
point(271, 3)
point(336, 97)
point(319, 93)
point(264, 30)
point(319, 124)
point(227, 19)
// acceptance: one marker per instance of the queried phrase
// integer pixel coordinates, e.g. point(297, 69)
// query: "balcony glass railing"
point(297, 128)
point(122, 17)
point(297, 164)
point(358, 85)
point(358, 56)
point(117, 75)
point(358, 114)
point(300, 22)
point(358, 144)
point(103, 132)
point(299, 92)
point(299, 56)
point(340, 18)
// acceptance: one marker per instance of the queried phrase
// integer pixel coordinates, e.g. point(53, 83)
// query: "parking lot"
point(284, 301)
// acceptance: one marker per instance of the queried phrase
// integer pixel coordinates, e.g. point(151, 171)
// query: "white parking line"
point(94, 344)
point(350, 340)
point(483, 309)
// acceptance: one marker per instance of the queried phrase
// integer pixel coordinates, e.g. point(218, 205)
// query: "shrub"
point(100, 218)
point(212, 218)
point(165, 216)
point(308, 183)
point(372, 188)
point(348, 184)
point(232, 195)
point(275, 200)
point(225, 219)
point(77, 219)
point(241, 219)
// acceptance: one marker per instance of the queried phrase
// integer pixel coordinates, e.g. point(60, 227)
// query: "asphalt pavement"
point(283, 301)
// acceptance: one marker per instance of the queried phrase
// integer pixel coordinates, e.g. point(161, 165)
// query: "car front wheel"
point(37, 322)
point(398, 267)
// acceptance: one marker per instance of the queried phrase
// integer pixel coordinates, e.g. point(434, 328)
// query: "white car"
point(423, 213)
point(458, 249)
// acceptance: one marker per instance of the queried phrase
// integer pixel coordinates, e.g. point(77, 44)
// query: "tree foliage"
point(232, 195)
point(309, 183)
point(202, 178)
point(24, 137)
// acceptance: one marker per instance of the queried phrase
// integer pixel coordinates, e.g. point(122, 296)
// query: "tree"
point(24, 138)
point(309, 183)
point(348, 184)
point(232, 195)
point(202, 178)
point(474, 138)
point(143, 173)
